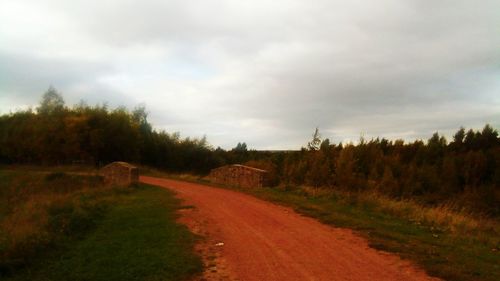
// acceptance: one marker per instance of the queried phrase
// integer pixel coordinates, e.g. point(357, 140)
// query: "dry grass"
point(444, 217)
point(40, 208)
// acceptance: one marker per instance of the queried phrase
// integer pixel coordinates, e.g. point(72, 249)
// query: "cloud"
point(263, 72)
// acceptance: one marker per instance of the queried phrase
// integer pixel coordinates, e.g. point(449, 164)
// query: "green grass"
point(99, 234)
point(138, 239)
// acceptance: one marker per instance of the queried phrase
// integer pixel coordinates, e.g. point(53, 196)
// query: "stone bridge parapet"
point(239, 175)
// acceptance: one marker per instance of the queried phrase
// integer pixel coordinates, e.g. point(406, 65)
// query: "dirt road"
point(263, 241)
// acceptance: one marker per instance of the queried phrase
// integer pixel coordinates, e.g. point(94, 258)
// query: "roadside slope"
point(263, 241)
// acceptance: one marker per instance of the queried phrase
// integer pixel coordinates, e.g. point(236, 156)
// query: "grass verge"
point(448, 249)
point(92, 234)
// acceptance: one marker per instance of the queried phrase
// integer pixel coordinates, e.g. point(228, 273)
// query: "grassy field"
point(450, 245)
point(59, 226)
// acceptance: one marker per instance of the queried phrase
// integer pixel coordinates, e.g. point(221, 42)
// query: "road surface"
point(257, 240)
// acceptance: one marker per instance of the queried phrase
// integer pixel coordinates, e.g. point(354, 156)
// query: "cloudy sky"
point(263, 72)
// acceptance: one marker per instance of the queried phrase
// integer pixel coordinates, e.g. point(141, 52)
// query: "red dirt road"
point(263, 241)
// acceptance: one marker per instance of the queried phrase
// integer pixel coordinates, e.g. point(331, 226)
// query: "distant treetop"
point(52, 101)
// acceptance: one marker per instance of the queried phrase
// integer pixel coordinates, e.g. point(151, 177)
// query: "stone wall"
point(120, 173)
point(239, 175)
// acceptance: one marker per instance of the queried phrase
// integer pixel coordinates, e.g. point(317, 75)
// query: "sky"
point(262, 72)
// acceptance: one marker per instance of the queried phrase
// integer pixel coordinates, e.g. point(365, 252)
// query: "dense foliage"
point(465, 171)
point(55, 134)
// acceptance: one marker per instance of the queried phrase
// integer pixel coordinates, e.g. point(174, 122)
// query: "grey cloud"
point(269, 72)
point(25, 78)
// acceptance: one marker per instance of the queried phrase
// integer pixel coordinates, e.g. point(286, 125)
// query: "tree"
point(489, 137)
point(471, 139)
point(458, 140)
point(315, 143)
point(436, 148)
point(140, 116)
point(318, 172)
point(437, 141)
point(474, 168)
point(388, 184)
point(240, 147)
point(345, 168)
point(52, 102)
point(325, 145)
point(449, 176)
point(458, 137)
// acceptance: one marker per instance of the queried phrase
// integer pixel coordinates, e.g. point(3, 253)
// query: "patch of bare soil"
point(209, 247)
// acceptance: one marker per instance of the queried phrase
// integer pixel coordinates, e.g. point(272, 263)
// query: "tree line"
point(465, 170)
point(54, 134)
